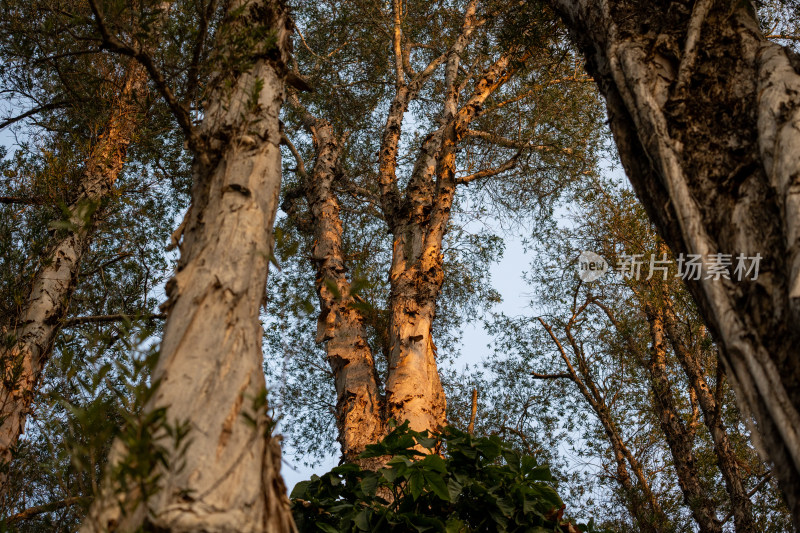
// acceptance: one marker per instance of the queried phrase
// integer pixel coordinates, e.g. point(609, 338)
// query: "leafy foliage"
point(461, 484)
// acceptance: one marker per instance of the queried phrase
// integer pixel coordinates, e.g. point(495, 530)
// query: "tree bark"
point(704, 111)
point(741, 506)
point(210, 369)
point(678, 437)
point(359, 405)
point(54, 282)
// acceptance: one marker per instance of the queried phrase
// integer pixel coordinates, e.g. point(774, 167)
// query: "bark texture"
point(54, 282)
point(210, 368)
point(359, 403)
point(706, 116)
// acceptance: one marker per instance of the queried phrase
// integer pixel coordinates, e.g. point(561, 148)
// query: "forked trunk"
point(56, 279)
point(210, 372)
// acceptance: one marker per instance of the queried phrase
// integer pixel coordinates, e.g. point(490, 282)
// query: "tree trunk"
point(210, 369)
point(54, 282)
point(679, 439)
point(704, 111)
point(741, 506)
point(359, 406)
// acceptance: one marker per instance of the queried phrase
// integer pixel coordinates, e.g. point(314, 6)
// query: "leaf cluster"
point(459, 483)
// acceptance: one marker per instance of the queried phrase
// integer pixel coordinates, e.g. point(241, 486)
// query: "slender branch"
point(490, 172)
point(750, 494)
point(34, 111)
point(301, 168)
point(20, 200)
point(474, 411)
point(44, 508)
point(102, 319)
point(563, 375)
point(114, 44)
point(511, 143)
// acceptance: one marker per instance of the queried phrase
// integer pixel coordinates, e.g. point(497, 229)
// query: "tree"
point(208, 382)
point(437, 107)
point(66, 185)
point(701, 104)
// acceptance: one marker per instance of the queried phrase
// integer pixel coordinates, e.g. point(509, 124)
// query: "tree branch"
point(34, 111)
point(44, 508)
point(114, 44)
point(490, 172)
point(563, 375)
point(20, 200)
point(102, 319)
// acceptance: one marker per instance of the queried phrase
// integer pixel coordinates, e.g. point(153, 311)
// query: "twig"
point(471, 427)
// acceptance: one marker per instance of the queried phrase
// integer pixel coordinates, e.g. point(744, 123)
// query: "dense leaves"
point(462, 483)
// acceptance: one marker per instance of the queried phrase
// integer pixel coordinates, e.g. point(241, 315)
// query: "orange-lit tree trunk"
point(47, 304)
point(359, 404)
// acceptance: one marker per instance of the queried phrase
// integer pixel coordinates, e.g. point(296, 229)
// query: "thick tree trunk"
point(55, 281)
point(678, 437)
point(741, 506)
point(705, 115)
point(413, 389)
point(359, 406)
point(210, 371)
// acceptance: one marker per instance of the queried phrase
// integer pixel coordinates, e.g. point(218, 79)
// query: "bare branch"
point(490, 172)
point(562, 375)
point(44, 508)
point(301, 168)
point(114, 44)
point(20, 200)
point(34, 111)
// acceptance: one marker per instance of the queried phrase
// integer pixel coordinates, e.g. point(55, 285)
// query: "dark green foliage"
point(461, 484)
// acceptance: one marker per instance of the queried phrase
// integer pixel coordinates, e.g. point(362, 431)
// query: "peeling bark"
point(210, 367)
point(55, 281)
point(413, 388)
point(359, 405)
point(705, 113)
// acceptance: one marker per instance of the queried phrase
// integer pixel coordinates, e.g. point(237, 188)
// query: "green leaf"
point(369, 484)
point(454, 489)
point(300, 489)
point(437, 485)
point(416, 484)
point(327, 528)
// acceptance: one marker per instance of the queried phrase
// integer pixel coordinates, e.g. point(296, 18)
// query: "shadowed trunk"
point(55, 281)
point(704, 111)
point(689, 359)
point(679, 439)
point(210, 370)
